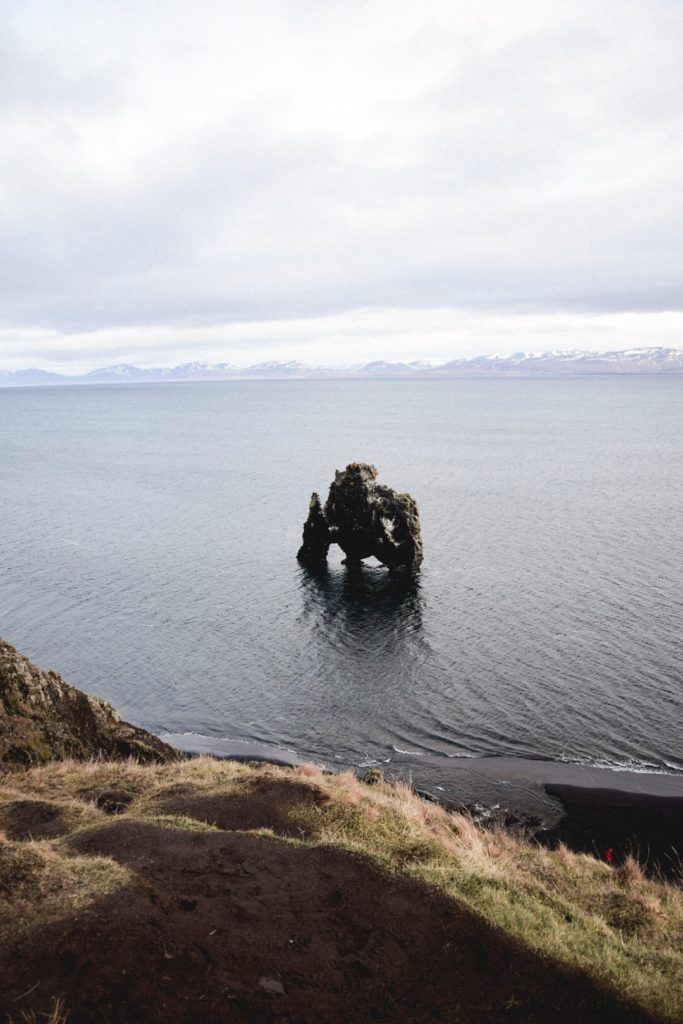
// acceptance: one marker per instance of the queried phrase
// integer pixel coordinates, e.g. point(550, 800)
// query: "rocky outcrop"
point(364, 518)
point(42, 718)
point(317, 535)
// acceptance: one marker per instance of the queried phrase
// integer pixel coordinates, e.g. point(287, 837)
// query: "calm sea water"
point(148, 537)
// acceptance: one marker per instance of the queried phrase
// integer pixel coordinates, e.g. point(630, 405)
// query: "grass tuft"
point(630, 873)
point(57, 1015)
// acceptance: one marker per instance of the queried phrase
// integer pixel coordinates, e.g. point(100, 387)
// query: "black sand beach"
point(607, 813)
point(612, 823)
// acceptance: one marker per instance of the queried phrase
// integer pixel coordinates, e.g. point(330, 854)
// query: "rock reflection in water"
point(362, 610)
point(365, 651)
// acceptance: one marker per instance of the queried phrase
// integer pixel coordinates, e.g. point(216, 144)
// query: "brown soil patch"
point(223, 927)
point(262, 803)
point(42, 819)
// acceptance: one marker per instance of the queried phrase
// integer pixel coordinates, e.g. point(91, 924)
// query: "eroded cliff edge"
point(43, 718)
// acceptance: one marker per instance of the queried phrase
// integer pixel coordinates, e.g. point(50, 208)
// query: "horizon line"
point(647, 359)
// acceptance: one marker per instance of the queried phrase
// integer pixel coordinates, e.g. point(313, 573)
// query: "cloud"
point(180, 168)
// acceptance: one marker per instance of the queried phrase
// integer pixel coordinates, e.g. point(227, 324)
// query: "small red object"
point(609, 854)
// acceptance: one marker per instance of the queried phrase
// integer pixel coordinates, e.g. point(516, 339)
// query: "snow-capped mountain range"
point(629, 361)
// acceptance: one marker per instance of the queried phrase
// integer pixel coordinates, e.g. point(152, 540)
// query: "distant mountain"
point(643, 360)
point(274, 369)
point(185, 371)
point(19, 377)
point(629, 361)
point(381, 368)
point(198, 371)
point(114, 374)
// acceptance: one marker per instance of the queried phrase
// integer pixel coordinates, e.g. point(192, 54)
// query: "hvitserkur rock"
point(364, 518)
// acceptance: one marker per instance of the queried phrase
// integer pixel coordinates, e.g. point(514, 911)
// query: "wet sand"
point(235, 750)
point(561, 773)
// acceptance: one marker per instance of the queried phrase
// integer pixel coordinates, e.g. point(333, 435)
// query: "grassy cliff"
point(209, 891)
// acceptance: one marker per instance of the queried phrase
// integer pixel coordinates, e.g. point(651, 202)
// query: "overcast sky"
point(337, 181)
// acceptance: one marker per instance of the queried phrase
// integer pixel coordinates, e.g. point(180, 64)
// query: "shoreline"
point(590, 809)
point(607, 813)
point(233, 750)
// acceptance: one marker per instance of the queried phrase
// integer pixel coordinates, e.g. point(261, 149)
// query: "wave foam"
point(630, 765)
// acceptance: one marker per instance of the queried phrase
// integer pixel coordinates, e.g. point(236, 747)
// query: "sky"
point(337, 182)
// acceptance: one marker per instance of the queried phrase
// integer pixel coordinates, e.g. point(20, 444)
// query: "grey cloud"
point(544, 174)
point(34, 83)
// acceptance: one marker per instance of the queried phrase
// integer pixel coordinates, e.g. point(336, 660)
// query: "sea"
point(148, 539)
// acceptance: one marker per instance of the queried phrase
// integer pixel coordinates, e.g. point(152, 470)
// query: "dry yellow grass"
point(624, 929)
point(621, 927)
point(57, 1015)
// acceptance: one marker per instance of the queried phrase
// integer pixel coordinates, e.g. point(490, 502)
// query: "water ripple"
point(147, 542)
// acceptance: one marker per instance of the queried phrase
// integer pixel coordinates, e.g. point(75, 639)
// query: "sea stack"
point(364, 518)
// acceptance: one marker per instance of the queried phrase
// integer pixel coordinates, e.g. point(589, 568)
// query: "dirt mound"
point(43, 819)
point(227, 926)
point(272, 803)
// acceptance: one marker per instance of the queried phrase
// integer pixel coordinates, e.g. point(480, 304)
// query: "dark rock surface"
point(42, 718)
point(364, 518)
point(317, 536)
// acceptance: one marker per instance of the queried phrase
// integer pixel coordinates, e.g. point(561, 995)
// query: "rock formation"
point(42, 718)
point(364, 518)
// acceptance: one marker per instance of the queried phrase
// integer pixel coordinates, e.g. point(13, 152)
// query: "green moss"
point(33, 750)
